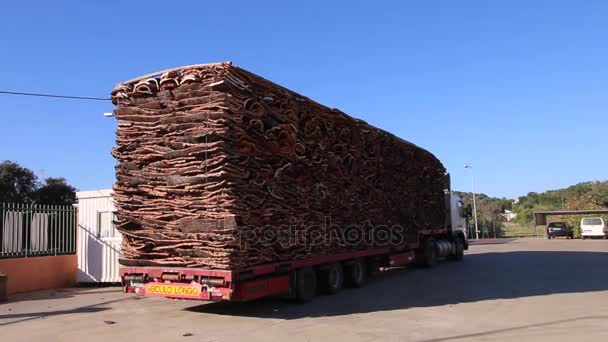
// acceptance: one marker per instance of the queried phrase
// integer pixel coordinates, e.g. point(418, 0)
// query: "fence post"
point(2, 229)
point(74, 227)
point(25, 226)
point(62, 231)
point(54, 230)
point(13, 234)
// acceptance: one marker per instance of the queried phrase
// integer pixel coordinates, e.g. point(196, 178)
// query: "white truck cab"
point(593, 227)
point(458, 214)
point(458, 218)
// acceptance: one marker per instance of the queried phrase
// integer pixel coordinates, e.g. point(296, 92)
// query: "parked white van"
point(593, 227)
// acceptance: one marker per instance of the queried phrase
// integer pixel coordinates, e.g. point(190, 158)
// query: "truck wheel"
point(356, 273)
point(332, 278)
point(429, 253)
point(372, 266)
point(459, 250)
point(306, 284)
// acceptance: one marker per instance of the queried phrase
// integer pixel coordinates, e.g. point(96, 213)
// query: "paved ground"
point(516, 290)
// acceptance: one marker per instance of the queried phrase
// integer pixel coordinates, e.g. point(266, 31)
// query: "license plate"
point(170, 290)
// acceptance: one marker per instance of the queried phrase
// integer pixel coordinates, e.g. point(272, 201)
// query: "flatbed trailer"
point(299, 279)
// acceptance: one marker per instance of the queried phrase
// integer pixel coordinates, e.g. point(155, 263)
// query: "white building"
point(509, 215)
point(98, 242)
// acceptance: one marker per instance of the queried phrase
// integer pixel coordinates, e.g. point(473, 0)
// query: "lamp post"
point(474, 205)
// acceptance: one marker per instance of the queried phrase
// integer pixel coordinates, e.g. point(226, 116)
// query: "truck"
point(303, 279)
point(213, 159)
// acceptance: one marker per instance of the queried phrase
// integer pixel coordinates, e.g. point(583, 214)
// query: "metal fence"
point(28, 230)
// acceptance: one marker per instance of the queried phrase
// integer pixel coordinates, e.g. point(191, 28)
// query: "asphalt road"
point(512, 290)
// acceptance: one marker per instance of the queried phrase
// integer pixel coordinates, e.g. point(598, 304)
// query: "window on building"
point(105, 224)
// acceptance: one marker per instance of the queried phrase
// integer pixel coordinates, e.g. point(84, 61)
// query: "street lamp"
point(474, 205)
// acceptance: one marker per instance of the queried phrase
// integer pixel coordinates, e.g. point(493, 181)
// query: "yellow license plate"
point(189, 291)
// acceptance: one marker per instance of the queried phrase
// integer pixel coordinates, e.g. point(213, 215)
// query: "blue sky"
point(517, 89)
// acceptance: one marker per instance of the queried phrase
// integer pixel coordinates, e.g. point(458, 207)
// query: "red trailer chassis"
point(256, 282)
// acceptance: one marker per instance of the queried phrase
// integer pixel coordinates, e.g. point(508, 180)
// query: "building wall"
point(39, 273)
point(97, 254)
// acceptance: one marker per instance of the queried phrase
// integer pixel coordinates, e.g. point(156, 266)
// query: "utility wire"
point(55, 96)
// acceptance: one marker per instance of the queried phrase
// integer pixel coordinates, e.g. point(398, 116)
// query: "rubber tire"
point(459, 250)
point(583, 237)
point(332, 278)
point(356, 273)
point(429, 253)
point(306, 284)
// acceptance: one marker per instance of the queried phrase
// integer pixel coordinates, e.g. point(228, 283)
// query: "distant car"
point(556, 229)
point(593, 227)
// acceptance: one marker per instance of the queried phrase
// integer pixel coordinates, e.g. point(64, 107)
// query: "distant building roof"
point(94, 193)
point(540, 217)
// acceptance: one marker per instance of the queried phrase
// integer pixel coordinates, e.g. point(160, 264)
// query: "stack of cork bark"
point(220, 168)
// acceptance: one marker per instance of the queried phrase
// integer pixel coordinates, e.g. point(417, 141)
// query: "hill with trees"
point(586, 195)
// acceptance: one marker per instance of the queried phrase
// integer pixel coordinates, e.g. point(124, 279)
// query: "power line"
point(56, 96)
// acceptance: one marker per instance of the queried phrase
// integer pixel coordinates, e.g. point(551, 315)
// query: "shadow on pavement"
point(479, 277)
point(466, 337)
point(62, 293)
point(32, 315)
point(6, 319)
point(499, 241)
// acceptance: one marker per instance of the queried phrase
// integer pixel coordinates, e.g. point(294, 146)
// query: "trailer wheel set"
point(305, 284)
point(356, 273)
point(330, 279)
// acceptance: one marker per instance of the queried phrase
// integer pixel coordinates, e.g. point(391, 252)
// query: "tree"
point(489, 210)
point(20, 185)
point(17, 183)
point(599, 194)
point(56, 191)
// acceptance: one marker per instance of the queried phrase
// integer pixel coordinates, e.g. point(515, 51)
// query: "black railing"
point(28, 230)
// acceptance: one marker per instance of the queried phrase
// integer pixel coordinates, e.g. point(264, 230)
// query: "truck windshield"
point(592, 222)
